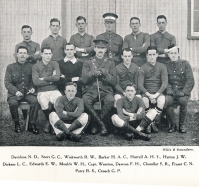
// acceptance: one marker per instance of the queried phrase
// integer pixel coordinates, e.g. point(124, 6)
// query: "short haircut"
point(54, 20)
point(171, 46)
point(134, 18)
point(127, 50)
point(131, 85)
point(70, 84)
point(161, 16)
point(152, 48)
point(22, 47)
point(26, 26)
point(81, 18)
point(68, 43)
point(45, 48)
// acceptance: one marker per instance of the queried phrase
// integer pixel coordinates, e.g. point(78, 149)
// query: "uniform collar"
point(27, 41)
point(74, 60)
point(162, 32)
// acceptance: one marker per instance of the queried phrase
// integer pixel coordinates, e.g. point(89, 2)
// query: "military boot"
point(171, 117)
point(182, 118)
point(17, 127)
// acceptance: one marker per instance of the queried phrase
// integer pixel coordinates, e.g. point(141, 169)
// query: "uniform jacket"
point(106, 81)
point(114, 47)
point(18, 78)
point(180, 77)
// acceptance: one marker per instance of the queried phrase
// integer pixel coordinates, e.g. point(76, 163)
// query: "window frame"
point(190, 34)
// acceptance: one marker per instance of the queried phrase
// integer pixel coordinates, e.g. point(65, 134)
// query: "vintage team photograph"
point(99, 73)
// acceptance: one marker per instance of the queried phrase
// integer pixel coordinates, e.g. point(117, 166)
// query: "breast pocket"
point(15, 77)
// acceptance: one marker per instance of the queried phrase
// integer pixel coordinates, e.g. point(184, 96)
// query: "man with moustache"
point(18, 82)
point(33, 47)
point(45, 75)
point(152, 82)
point(99, 76)
point(83, 41)
point(162, 39)
point(56, 42)
point(71, 70)
point(181, 83)
point(137, 41)
point(115, 41)
point(130, 111)
point(69, 120)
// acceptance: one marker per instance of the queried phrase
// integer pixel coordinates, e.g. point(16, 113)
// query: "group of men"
point(132, 80)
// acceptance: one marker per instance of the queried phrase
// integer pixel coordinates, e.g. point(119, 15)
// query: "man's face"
point(135, 25)
point(152, 56)
point(55, 27)
point(173, 54)
point(22, 55)
point(100, 51)
point(81, 25)
point(162, 23)
point(70, 92)
point(26, 33)
point(127, 56)
point(110, 26)
point(130, 92)
point(46, 55)
point(70, 51)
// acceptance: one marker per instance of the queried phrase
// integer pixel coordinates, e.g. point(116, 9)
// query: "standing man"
point(33, 47)
point(71, 70)
point(99, 76)
point(83, 42)
point(181, 83)
point(115, 41)
point(18, 82)
point(137, 41)
point(152, 82)
point(55, 41)
point(69, 119)
point(130, 111)
point(45, 75)
point(127, 73)
point(162, 39)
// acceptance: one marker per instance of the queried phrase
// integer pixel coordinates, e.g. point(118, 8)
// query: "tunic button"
point(174, 71)
point(22, 78)
point(176, 86)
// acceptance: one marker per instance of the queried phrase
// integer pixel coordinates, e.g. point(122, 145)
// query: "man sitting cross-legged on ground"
point(69, 121)
point(152, 81)
point(130, 111)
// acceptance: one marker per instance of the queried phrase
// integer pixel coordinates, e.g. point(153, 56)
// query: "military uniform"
point(115, 41)
point(114, 47)
point(180, 77)
point(18, 77)
point(106, 81)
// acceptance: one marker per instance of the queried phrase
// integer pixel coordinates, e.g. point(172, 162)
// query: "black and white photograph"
point(100, 88)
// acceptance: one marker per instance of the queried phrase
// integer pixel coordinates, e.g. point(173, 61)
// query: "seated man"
point(69, 119)
point(130, 111)
point(18, 82)
point(71, 69)
point(152, 82)
point(45, 75)
point(99, 76)
point(181, 83)
point(127, 73)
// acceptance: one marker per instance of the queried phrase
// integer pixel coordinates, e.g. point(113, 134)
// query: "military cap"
point(100, 43)
point(111, 17)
